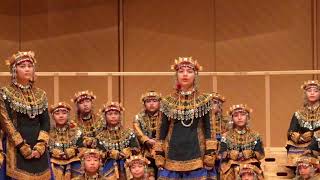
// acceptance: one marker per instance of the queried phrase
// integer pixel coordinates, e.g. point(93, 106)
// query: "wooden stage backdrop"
point(146, 35)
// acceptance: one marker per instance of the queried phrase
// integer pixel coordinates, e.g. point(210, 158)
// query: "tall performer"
point(186, 143)
point(25, 120)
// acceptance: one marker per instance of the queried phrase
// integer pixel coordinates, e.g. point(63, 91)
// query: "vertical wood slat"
point(215, 83)
point(314, 36)
point(121, 49)
point(268, 110)
point(56, 88)
point(110, 87)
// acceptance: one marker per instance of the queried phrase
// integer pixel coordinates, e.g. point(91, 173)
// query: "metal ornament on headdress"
point(20, 57)
point(186, 62)
point(60, 106)
point(310, 83)
point(94, 152)
point(239, 108)
point(307, 160)
point(79, 96)
point(150, 94)
point(112, 106)
point(129, 162)
point(249, 168)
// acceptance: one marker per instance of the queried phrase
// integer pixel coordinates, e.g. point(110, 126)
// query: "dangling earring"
point(14, 75)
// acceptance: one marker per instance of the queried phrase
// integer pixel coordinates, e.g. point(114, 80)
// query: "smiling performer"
point(186, 144)
point(25, 120)
point(304, 122)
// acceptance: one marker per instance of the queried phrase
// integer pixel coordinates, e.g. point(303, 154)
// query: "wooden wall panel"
point(9, 36)
point(224, 35)
point(157, 32)
point(73, 36)
point(269, 35)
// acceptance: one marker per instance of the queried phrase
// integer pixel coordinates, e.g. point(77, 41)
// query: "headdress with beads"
point(60, 106)
point(79, 96)
point(186, 62)
point(150, 95)
point(310, 83)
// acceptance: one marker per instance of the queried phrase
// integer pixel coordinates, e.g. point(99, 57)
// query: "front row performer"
point(240, 145)
point(307, 168)
point(136, 167)
point(91, 162)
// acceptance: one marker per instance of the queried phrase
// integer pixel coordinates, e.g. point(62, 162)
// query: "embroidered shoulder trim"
point(18, 103)
point(186, 109)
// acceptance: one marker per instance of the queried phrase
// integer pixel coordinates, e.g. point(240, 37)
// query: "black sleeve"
point(44, 120)
point(294, 124)
point(314, 145)
point(164, 127)
point(223, 148)
point(134, 143)
point(259, 147)
point(207, 125)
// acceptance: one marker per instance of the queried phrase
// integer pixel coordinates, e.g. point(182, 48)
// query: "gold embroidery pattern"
point(308, 118)
point(32, 104)
point(186, 109)
point(184, 165)
point(116, 139)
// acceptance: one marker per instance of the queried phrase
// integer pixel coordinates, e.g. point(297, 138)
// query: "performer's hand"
point(36, 154)
point(114, 154)
point(26, 151)
point(150, 143)
point(247, 154)
point(208, 167)
point(234, 154)
point(306, 137)
point(1, 159)
point(295, 136)
point(215, 109)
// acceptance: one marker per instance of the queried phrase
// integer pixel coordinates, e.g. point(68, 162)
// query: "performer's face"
point(137, 170)
point(152, 105)
point(91, 164)
point(239, 119)
point(25, 71)
point(186, 76)
point(313, 94)
point(304, 171)
point(85, 106)
point(247, 176)
point(60, 117)
point(113, 117)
